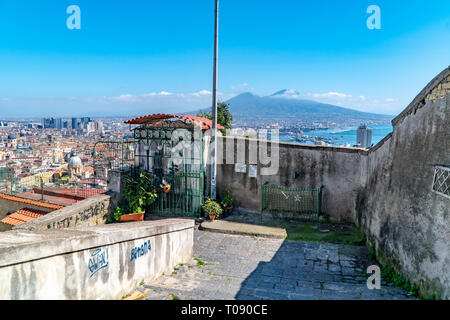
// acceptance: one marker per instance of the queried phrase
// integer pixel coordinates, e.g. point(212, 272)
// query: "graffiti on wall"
point(99, 260)
point(98, 210)
point(140, 251)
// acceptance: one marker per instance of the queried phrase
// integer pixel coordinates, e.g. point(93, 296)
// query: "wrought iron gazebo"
point(171, 147)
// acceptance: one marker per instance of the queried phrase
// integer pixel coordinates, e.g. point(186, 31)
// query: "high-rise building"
point(49, 123)
point(90, 126)
point(364, 136)
point(99, 126)
point(59, 123)
point(85, 121)
point(74, 123)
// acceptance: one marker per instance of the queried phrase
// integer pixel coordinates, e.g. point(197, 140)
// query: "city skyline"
point(142, 58)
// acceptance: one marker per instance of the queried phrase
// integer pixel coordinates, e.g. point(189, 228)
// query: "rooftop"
point(30, 201)
point(22, 216)
point(201, 122)
point(62, 197)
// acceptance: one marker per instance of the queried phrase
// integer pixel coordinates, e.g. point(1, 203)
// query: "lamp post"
point(214, 104)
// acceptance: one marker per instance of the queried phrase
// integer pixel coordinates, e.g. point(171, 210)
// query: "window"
point(441, 181)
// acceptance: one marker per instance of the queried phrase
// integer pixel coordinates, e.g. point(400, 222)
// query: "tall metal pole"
point(214, 104)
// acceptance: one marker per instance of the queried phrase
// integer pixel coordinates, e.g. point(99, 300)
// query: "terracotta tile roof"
point(31, 202)
point(156, 117)
point(22, 216)
point(82, 192)
point(89, 169)
point(54, 199)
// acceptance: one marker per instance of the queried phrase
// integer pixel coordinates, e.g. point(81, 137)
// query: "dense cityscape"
point(55, 154)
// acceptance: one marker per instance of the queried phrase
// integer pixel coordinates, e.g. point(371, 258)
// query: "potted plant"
point(140, 193)
point(212, 209)
point(227, 202)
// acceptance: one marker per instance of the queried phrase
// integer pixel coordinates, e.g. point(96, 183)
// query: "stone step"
point(228, 227)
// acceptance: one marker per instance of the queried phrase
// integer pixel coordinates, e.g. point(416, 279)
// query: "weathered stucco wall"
point(405, 220)
point(89, 212)
point(102, 262)
point(340, 170)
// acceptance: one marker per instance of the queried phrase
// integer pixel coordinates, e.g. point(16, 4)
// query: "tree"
point(224, 117)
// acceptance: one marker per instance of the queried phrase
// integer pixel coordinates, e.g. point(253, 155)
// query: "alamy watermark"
point(374, 20)
point(74, 20)
point(374, 280)
point(193, 147)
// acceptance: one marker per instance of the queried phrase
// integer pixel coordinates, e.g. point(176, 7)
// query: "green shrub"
point(212, 208)
point(140, 192)
point(227, 201)
point(174, 297)
point(372, 253)
point(118, 213)
point(390, 275)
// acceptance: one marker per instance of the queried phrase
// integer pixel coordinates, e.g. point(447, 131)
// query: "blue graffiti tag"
point(99, 260)
point(140, 251)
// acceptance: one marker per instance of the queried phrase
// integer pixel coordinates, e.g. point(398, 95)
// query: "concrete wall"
point(89, 212)
point(340, 170)
point(405, 220)
point(115, 186)
point(5, 227)
point(102, 262)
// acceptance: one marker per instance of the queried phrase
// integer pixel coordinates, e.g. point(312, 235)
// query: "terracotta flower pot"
point(212, 217)
point(132, 217)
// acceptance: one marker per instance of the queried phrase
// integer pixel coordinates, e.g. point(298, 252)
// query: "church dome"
point(75, 162)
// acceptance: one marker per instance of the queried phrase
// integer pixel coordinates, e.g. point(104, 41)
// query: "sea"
point(342, 136)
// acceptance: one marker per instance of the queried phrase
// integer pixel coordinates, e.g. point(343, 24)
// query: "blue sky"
point(137, 57)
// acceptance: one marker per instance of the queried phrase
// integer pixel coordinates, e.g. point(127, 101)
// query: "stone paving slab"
point(255, 268)
point(228, 227)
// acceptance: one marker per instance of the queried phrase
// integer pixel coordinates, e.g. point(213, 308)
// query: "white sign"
point(240, 167)
point(252, 171)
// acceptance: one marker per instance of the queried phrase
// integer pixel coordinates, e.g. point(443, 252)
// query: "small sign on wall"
point(240, 167)
point(253, 171)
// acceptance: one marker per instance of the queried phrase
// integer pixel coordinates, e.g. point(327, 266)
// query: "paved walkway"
point(230, 227)
point(244, 267)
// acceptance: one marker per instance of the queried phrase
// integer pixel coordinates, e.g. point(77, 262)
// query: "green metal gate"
point(184, 198)
point(303, 203)
point(171, 152)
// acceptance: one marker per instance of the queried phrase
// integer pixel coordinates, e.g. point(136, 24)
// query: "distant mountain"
point(284, 105)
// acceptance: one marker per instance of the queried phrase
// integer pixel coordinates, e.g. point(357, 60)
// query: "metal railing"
point(302, 203)
point(184, 198)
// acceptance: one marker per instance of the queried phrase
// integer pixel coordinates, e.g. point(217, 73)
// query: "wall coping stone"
point(19, 246)
point(63, 213)
point(380, 144)
point(361, 151)
point(419, 100)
